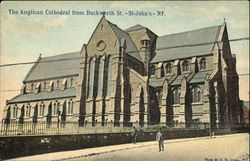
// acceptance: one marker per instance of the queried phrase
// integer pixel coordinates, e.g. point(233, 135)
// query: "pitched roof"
point(56, 94)
point(200, 76)
point(158, 82)
point(154, 82)
point(178, 80)
point(55, 66)
point(136, 27)
point(209, 34)
point(131, 48)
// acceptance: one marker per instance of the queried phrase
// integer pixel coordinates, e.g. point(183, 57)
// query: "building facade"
point(135, 77)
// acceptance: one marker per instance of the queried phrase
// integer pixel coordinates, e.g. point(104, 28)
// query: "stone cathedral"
point(134, 77)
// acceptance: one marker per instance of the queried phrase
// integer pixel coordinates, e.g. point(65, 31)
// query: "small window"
point(15, 110)
point(152, 70)
point(57, 84)
point(54, 108)
point(185, 66)
point(168, 68)
point(203, 64)
point(58, 108)
point(31, 87)
point(71, 81)
point(44, 85)
point(27, 112)
point(70, 107)
point(41, 110)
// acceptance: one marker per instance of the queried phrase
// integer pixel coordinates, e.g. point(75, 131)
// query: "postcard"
point(109, 80)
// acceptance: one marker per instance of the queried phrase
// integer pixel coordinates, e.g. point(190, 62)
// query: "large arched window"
point(203, 63)
point(185, 66)
point(168, 68)
point(152, 70)
point(196, 94)
point(176, 95)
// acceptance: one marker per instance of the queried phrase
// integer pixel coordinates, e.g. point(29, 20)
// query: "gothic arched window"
point(15, 109)
point(196, 94)
point(56, 108)
point(203, 63)
point(57, 84)
point(185, 66)
point(70, 107)
point(152, 70)
point(28, 108)
point(168, 68)
point(41, 111)
point(176, 96)
point(71, 81)
point(109, 70)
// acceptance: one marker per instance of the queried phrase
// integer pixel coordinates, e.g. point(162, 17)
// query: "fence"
point(13, 127)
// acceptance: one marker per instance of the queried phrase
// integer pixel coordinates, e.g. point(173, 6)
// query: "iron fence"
point(13, 127)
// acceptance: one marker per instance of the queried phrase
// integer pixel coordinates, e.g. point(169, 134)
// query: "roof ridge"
point(32, 68)
point(124, 32)
point(132, 28)
point(177, 33)
point(60, 55)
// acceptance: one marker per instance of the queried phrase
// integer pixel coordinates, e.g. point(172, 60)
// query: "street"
point(232, 147)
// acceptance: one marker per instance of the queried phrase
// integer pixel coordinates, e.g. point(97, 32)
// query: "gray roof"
point(56, 94)
point(158, 82)
point(178, 80)
point(131, 48)
point(136, 27)
point(200, 76)
point(204, 35)
point(55, 66)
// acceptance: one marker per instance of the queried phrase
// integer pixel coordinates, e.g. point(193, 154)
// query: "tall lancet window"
point(91, 77)
point(109, 87)
point(101, 74)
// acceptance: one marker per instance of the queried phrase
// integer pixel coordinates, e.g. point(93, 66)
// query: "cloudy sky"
point(24, 37)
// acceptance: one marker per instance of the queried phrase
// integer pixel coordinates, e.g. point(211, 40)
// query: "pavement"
point(88, 153)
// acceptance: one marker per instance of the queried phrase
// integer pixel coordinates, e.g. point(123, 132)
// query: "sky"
point(24, 37)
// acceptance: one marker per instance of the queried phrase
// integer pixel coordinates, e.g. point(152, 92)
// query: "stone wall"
point(18, 146)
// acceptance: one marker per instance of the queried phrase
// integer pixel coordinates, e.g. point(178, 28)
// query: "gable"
point(107, 38)
point(103, 40)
